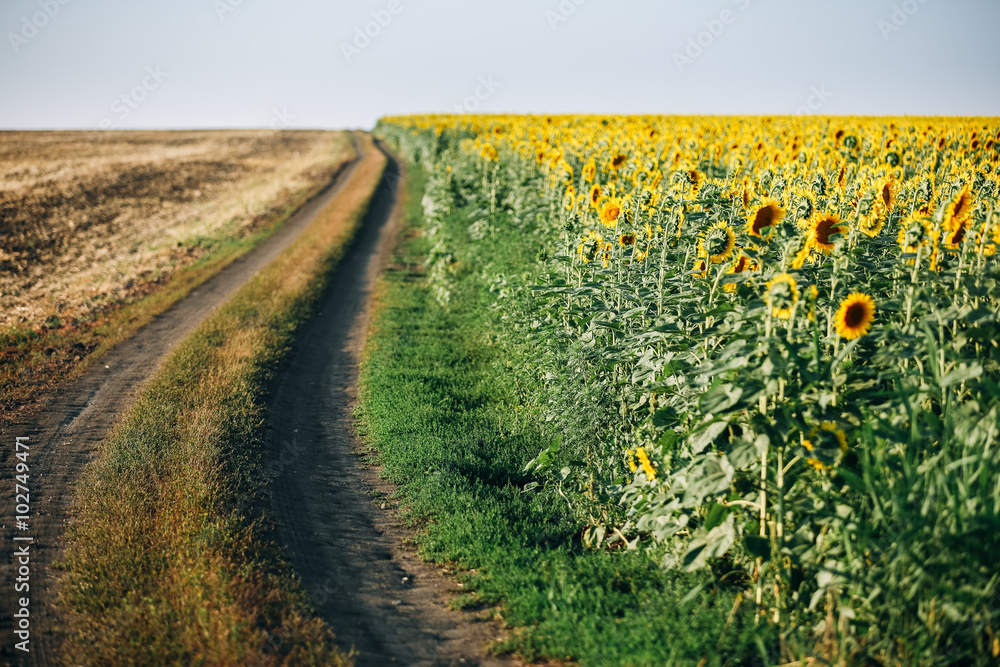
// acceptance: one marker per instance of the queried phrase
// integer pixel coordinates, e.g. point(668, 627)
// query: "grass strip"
point(169, 563)
point(34, 361)
point(454, 429)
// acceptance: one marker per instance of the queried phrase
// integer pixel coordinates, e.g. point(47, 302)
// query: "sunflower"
point(626, 239)
point(699, 267)
point(696, 179)
point(717, 243)
point(813, 293)
point(872, 223)
point(569, 198)
point(766, 215)
point(589, 171)
point(743, 264)
point(957, 218)
point(606, 255)
point(595, 195)
point(842, 177)
point(827, 434)
point(489, 152)
point(855, 316)
point(617, 162)
point(804, 254)
point(823, 227)
point(960, 207)
point(782, 295)
point(914, 234)
point(746, 193)
point(611, 210)
point(589, 246)
point(647, 465)
point(885, 192)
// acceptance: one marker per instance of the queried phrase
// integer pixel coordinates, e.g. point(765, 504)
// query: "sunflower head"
point(611, 210)
point(569, 198)
point(595, 195)
point(717, 243)
point(960, 208)
point(764, 216)
point(826, 445)
point(782, 295)
point(823, 227)
point(957, 216)
point(617, 162)
point(626, 239)
point(646, 464)
point(489, 152)
point(855, 316)
point(885, 193)
point(872, 223)
point(914, 234)
point(589, 171)
point(589, 246)
point(743, 264)
point(695, 178)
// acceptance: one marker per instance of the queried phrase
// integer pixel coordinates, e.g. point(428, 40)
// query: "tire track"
point(378, 597)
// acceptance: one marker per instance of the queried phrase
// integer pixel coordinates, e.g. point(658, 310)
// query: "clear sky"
point(309, 63)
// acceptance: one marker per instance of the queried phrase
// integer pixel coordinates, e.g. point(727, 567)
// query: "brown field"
point(87, 218)
point(93, 221)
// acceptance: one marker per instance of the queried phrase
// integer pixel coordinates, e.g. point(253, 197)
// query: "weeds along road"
point(66, 431)
point(347, 548)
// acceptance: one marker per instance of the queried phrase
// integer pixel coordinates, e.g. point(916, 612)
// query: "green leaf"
point(702, 439)
point(717, 513)
point(712, 476)
point(664, 417)
point(758, 546)
point(961, 374)
point(720, 398)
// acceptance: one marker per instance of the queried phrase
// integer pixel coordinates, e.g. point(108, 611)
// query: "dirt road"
point(377, 595)
point(66, 431)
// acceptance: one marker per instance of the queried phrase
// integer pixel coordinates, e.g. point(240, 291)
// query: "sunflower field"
point(766, 347)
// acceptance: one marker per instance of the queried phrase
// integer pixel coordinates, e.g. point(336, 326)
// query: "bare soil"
point(335, 514)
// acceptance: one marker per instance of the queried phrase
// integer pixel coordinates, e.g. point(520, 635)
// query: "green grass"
point(170, 559)
point(454, 430)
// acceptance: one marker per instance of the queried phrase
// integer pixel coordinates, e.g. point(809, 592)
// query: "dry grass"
point(101, 231)
point(168, 563)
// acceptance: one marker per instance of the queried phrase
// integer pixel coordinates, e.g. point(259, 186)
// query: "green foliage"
point(456, 430)
point(845, 486)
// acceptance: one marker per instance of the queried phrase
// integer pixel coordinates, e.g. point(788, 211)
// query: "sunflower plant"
point(766, 348)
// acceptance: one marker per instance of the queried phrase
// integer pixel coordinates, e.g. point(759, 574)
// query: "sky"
point(122, 64)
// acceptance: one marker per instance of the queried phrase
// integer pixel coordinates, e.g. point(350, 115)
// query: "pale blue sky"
point(260, 63)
